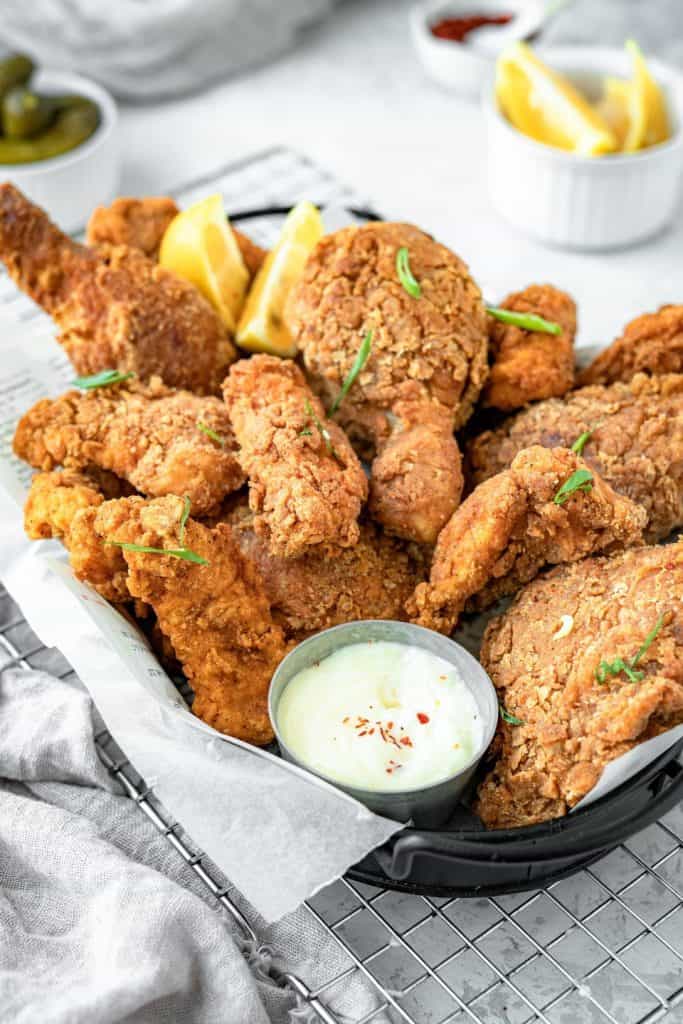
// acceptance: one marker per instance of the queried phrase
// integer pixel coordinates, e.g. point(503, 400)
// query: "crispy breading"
point(101, 565)
point(141, 223)
point(114, 306)
point(652, 343)
point(216, 616)
point(305, 489)
point(54, 499)
point(530, 365)
point(542, 655)
point(427, 365)
point(510, 527)
point(147, 434)
point(371, 580)
point(636, 443)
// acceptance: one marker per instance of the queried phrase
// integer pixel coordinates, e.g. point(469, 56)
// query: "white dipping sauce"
point(381, 716)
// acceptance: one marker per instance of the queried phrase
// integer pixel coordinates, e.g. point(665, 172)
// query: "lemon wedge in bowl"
point(546, 106)
point(200, 247)
point(261, 327)
point(615, 108)
point(649, 120)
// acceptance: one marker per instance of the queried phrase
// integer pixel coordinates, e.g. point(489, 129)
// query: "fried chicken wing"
point(530, 365)
point(427, 364)
point(141, 224)
point(511, 526)
point(114, 306)
point(543, 655)
point(306, 485)
point(215, 615)
point(635, 442)
point(652, 343)
point(147, 434)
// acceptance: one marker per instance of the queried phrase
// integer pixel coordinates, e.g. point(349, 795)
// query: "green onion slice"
point(613, 668)
point(405, 274)
point(184, 518)
point(507, 717)
point(581, 442)
point(527, 321)
point(184, 553)
point(102, 380)
point(581, 480)
point(211, 433)
point(358, 364)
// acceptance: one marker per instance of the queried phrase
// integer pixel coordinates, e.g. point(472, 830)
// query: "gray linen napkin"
point(100, 919)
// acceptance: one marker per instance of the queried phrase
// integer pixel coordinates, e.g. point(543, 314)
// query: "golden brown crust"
point(114, 306)
point(428, 361)
point(216, 616)
point(529, 365)
point(510, 528)
point(101, 565)
point(144, 433)
point(54, 499)
point(636, 444)
point(652, 343)
point(543, 666)
point(306, 492)
point(139, 223)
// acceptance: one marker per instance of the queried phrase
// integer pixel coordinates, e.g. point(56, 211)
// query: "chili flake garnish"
point(422, 718)
point(406, 741)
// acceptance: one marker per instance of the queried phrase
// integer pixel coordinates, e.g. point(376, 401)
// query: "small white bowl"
point(464, 67)
point(581, 202)
point(70, 186)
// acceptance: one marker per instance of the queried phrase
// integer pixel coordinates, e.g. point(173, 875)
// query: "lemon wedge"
point(200, 247)
point(544, 105)
point(261, 327)
point(615, 108)
point(649, 120)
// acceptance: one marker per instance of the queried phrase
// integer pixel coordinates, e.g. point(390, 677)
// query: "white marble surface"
point(354, 97)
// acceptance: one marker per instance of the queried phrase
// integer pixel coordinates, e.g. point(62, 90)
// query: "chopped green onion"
point(405, 274)
point(306, 432)
point(581, 480)
point(211, 433)
point(324, 432)
point(358, 364)
point(581, 442)
point(183, 519)
point(613, 668)
point(184, 553)
point(527, 321)
point(507, 717)
point(102, 380)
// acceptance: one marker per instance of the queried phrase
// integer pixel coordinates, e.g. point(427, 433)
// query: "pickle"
point(71, 127)
point(14, 70)
point(25, 113)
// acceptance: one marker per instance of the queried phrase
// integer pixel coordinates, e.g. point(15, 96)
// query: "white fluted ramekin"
point(584, 202)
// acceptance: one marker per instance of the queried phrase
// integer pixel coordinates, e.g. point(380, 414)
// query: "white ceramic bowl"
point(464, 67)
point(68, 187)
point(586, 202)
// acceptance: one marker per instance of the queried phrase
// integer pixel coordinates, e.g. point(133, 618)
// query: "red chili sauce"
point(456, 29)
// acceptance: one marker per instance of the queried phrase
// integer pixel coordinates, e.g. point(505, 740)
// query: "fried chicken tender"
point(114, 306)
point(529, 365)
point(652, 343)
point(425, 371)
point(147, 434)
point(543, 654)
point(216, 616)
point(54, 499)
point(306, 485)
point(141, 224)
point(510, 527)
point(636, 444)
point(371, 580)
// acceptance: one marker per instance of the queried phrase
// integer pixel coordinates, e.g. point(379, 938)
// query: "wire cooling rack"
point(605, 945)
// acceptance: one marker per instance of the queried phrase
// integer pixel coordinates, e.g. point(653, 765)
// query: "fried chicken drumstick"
point(306, 485)
point(547, 656)
point(635, 441)
point(147, 434)
point(652, 343)
point(512, 525)
point(425, 370)
point(114, 306)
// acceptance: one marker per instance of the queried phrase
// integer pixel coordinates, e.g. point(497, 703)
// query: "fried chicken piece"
point(94, 562)
point(114, 306)
point(306, 485)
point(147, 434)
point(529, 365)
point(141, 224)
point(636, 444)
point(542, 656)
point(216, 615)
point(652, 343)
point(510, 527)
point(426, 368)
point(54, 499)
point(371, 580)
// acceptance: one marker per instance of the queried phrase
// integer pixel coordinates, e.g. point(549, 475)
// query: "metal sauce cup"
point(427, 806)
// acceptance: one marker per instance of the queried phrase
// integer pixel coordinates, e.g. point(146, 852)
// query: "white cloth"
point(100, 919)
